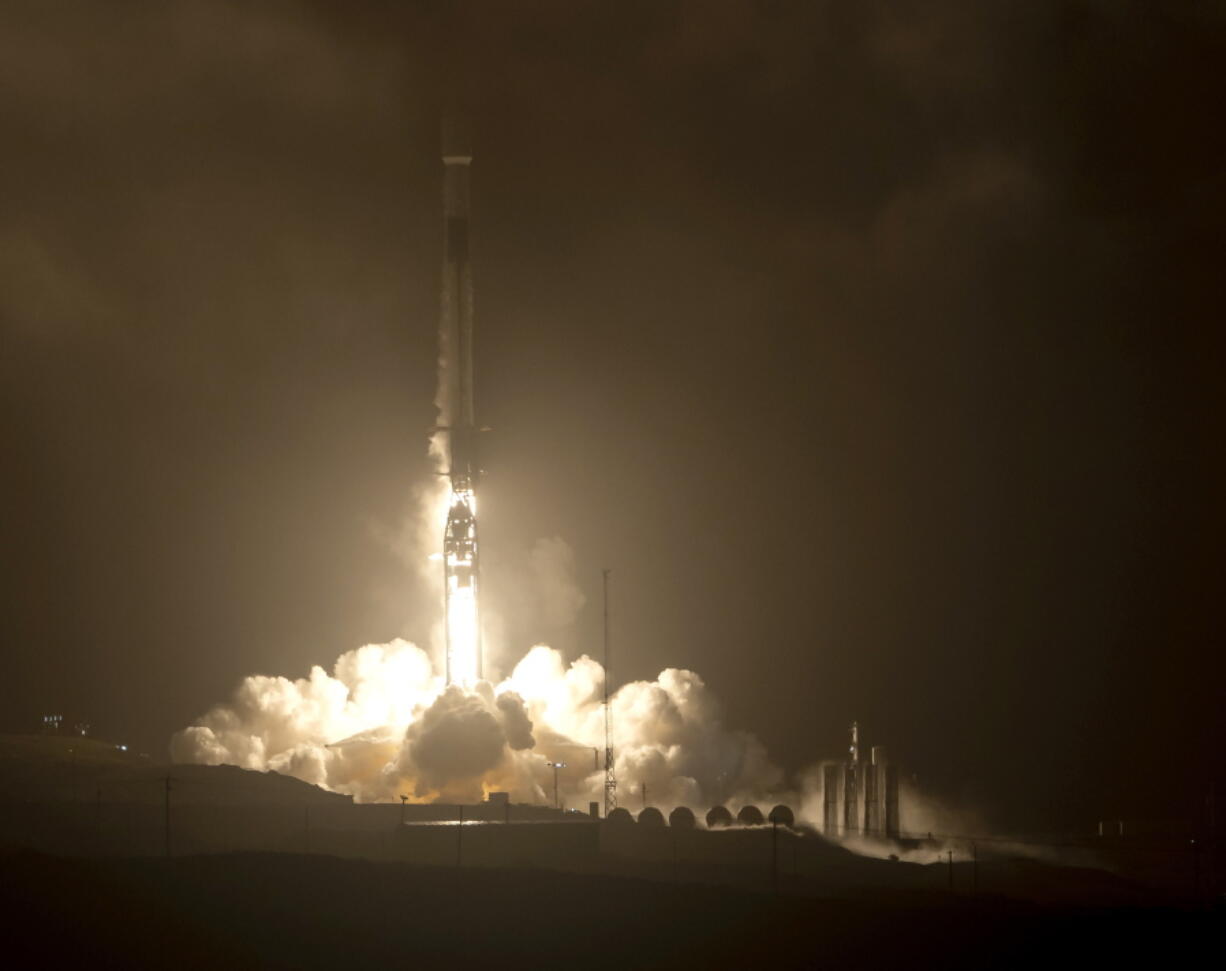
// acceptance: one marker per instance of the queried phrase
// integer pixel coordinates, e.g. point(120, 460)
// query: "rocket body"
point(461, 561)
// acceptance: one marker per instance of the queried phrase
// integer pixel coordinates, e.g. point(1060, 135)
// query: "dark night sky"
point(875, 346)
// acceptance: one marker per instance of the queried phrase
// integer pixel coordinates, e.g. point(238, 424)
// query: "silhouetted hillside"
point(265, 910)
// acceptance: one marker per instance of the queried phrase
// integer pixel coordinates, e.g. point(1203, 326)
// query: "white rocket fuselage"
point(460, 551)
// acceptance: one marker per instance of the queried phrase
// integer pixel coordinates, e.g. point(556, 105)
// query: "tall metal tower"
point(610, 777)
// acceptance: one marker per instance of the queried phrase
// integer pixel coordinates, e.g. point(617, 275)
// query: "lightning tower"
point(610, 777)
point(461, 562)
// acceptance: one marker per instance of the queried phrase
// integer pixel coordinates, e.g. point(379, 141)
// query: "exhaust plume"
point(383, 723)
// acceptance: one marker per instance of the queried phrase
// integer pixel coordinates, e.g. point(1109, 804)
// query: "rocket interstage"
point(461, 560)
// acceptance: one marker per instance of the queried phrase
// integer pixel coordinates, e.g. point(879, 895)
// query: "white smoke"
point(382, 724)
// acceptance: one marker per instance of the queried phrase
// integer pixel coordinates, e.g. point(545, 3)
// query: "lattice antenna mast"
point(610, 778)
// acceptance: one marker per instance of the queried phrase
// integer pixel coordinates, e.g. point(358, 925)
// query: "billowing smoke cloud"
point(457, 740)
point(515, 721)
point(382, 724)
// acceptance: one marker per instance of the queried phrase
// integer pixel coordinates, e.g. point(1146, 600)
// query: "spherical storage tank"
point(750, 816)
point(782, 816)
point(621, 816)
point(681, 818)
point(718, 816)
point(651, 817)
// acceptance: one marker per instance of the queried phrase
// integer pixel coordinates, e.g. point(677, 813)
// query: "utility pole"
point(951, 868)
point(610, 779)
point(1211, 827)
point(974, 869)
point(459, 839)
point(644, 787)
point(403, 800)
point(1195, 869)
point(775, 855)
point(166, 820)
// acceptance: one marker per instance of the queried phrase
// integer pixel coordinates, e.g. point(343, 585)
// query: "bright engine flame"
point(462, 639)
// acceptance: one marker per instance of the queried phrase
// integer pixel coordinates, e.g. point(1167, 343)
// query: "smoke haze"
point(876, 346)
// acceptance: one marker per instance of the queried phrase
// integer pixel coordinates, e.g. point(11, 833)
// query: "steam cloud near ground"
point(382, 724)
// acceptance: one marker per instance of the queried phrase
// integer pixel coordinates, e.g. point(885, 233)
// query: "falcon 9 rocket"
point(461, 563)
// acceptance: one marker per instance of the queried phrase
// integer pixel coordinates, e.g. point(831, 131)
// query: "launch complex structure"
point(860, 795)
point(461, 555)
